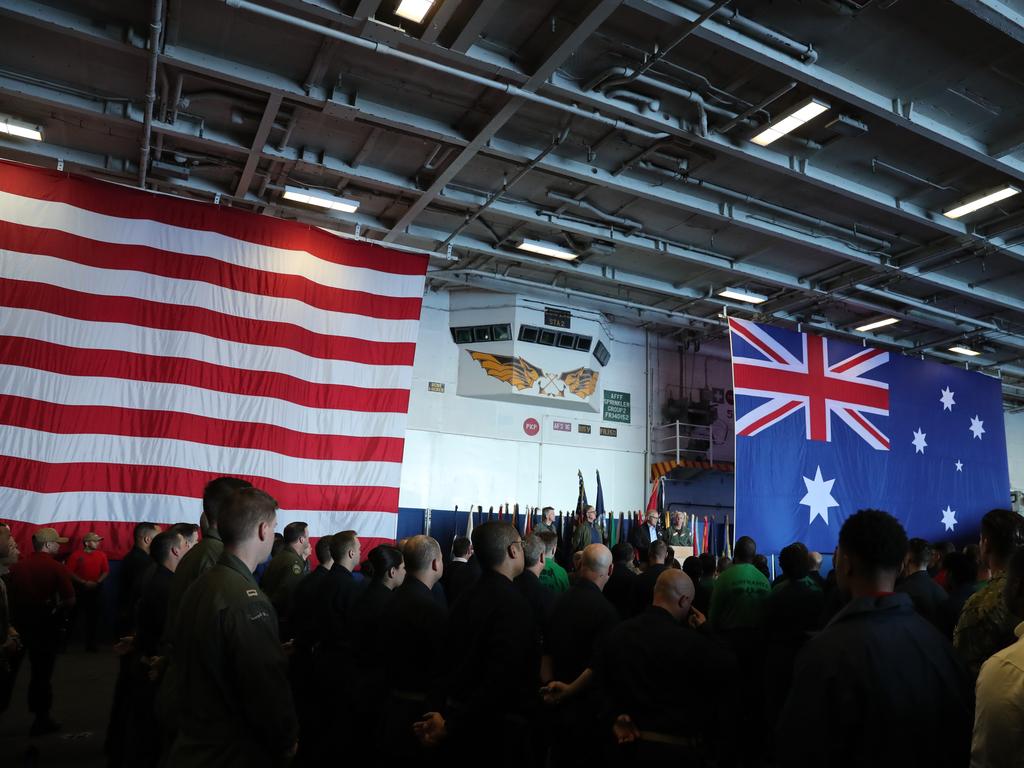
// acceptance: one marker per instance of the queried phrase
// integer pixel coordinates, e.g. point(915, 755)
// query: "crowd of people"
point(526, 650)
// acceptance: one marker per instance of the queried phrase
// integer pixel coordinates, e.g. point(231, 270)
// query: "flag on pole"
point(654, 502)
point(581, 499)
point(151, 344)
point(528, 525)
point(599, 502)
point(469, 523)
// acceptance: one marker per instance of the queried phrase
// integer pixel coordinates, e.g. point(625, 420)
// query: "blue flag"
point(825, 427)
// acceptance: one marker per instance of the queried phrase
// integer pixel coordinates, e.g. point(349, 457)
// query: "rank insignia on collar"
point(252, 592)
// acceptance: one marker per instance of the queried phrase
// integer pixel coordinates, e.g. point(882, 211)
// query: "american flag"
point(149, 344)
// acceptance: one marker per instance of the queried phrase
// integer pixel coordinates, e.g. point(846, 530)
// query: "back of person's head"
point(708, 564)
point(597, 559)
point(745, 550)
point(341, 544)
point(761, 563)
point(461, 546)
point(382, 559)
point(919, 552)
point(217, 492)
point(1003, 533)
point(961, 569)
point(294, 531)
point(674, 592)
point(550, 541)
point(242, 514)
point(724, 563)
point(420, 551)
point(875, 540)
point(142, 531)
point(693, 568)
point(657, 552)
point(813, 561)
point(491, 542)
point(185, 530)
point(533, 548)
point(794, 562)
point(622, 552)
point(162, 544)
point(323, 549)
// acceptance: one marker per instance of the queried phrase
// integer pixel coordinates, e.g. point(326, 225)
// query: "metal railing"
point(680, 440)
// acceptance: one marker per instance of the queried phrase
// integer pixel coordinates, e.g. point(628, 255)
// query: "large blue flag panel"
point(825, 427)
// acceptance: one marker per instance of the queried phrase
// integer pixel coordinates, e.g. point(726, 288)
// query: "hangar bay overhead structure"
point(841, 164)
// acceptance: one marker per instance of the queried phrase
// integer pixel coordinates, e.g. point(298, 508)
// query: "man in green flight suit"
point(286, 571)
point(678, 534)
point(226, 689)
point(587, 532)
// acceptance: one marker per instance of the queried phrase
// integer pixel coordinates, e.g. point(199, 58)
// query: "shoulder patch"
point(252, 592)
point(297, 569)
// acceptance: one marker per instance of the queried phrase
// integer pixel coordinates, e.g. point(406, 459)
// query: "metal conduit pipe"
point(155, 30)
point(740, 196)
point(385, 50)
point(731, 18)
point(608, 218)
point(924, 306)
point(642, 100)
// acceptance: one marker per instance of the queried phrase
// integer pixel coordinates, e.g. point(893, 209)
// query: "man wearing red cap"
point(89, 568)
point(41, 591)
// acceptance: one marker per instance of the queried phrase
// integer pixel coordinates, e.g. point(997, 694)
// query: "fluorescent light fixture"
point(971, 204)
point(20, 129)
point(547, 249)
point(320, 199)
point(878, 324)
point(414, 10)
point(964, 351)
point(740, 295)
point(790, 120)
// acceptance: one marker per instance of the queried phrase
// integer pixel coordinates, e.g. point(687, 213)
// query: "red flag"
point(652, 503)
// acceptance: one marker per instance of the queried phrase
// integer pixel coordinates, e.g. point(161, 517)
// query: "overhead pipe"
point(155, 31)
point(731, 18)
point(760, 106)
point(604, 216)
point(386, 50)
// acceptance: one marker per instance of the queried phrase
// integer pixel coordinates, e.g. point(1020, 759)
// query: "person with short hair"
point(131, 575)
point(641, 536)
point(738, 599)
point(490, 686)
point(928, 597)
point(189, 533)
point(879, 682)
point(643, 590)
point(588, 531)
point(985, 625)
point(962, 578)
point(724, 563)
point(619, 589)
point(41, 591)
point(286, 570)
point(89, 569)
point(227, 683)
point(539, 596)
point(814, 569)
point(462, 572)
point(546, 522)
point(678, 534)
point(204, 555)
point(998, 740)
point(554, 576)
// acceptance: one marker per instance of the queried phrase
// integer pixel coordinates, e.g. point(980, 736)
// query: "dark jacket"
point(227, 685)
point(927, 596)
point(643, 587)
point(279, 581)
point(458, 577)
point(580, 621)
point(540, 598)
point(197, 561)
point(304, 625)
point(152, 612)
point(338, 595)
point(619, 590)
point(878, 686)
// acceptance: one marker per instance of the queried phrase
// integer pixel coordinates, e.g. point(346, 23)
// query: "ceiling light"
point(878, 324)
point(972, 204)
point(546, 249)
point(964, 351)
point(414, 10)
point(790, 120)
point(740, 295)
point(20, 129)
point(320, 199)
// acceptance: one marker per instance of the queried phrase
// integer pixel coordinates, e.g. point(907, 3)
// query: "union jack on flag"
point(809, 383)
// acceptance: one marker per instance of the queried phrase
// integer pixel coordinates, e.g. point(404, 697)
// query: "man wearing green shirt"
point(553, 576)
point(738, 599)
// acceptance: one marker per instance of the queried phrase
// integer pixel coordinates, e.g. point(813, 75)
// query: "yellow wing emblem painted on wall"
point(582, 382)
point(514, 371)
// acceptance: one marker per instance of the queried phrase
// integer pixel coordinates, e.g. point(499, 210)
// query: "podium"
point(682, 553)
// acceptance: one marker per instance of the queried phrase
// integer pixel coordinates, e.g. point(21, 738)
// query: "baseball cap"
point(90, 536)
point(45, 535)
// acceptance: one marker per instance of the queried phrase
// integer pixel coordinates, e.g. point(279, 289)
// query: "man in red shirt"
point(40, 592)
point(89, 568)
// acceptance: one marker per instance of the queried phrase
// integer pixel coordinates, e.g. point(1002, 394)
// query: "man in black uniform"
point(580, 621)
point(491, 663)
point(204, 555)
point(619, 589)
point(286, 570)
point(540, 597)
point(410, 635)
point(228, 678)
point(462, 572)
point(927, 596)
point(133, 567)
point(643, 592)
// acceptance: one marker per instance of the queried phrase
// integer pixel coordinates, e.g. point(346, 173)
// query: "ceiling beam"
point(258, 142)
point(475, 25)
point(997, 15)
point(439, 21)
point(598, 11)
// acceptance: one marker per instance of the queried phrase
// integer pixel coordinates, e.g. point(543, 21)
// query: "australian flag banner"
point(825, 427)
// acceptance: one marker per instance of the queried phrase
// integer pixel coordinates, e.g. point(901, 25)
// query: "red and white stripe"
point(149, 344)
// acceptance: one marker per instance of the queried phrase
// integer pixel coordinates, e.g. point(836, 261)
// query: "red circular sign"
point(531, 427)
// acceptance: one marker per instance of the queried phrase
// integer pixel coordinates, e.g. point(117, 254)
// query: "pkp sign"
point(531, 427)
